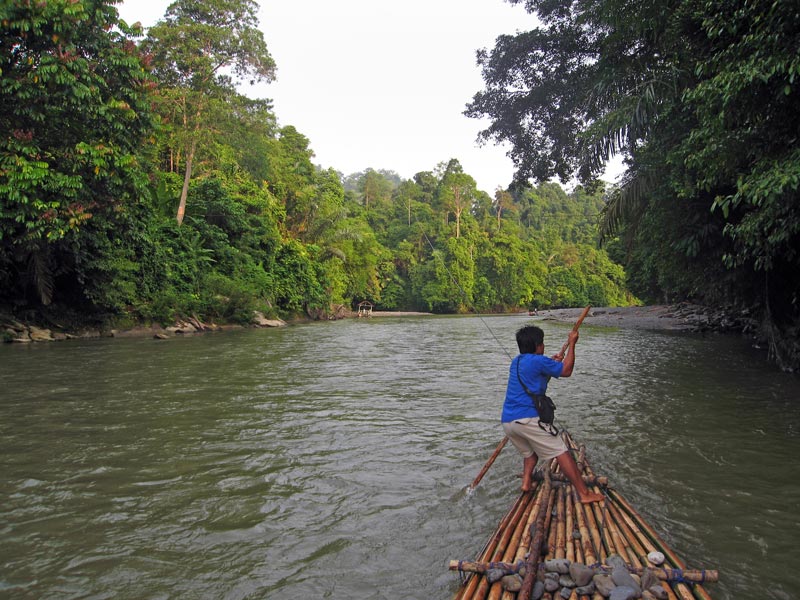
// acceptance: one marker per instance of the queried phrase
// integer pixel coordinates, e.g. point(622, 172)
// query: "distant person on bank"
point(520, 419)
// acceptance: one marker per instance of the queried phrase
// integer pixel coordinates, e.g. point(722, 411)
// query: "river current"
point(331, 460)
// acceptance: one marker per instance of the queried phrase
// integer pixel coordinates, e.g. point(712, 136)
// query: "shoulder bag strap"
point(551, 429)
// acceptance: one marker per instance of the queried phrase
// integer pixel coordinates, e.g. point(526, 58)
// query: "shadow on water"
point(332, 460)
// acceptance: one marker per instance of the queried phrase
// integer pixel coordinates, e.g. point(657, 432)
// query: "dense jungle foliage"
point(701, 98)
point(137, 184)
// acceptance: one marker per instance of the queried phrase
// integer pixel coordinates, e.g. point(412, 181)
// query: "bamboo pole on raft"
point(467, 591)
point(497, 588)
point(654, 541)
point(572, 551)
point(560, 545)
point(587, 548)
point(481, 587)
point(535, 549)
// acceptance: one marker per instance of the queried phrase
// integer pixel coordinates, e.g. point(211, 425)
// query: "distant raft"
point(551, 546)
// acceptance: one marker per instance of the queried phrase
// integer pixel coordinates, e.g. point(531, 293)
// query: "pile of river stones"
point(12, 330)
point(561, 578)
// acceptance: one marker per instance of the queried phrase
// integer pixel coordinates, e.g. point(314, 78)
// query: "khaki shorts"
point(529, 439)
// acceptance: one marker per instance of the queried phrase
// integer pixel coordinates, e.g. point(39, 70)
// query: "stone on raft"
point(604, 584)
point(512, 583)
point(557, 565)
point(585, 590)
point(623, 593)
point(581, 574)
point(537, 591)
point(615, 560)
point(493, 575)
point(623, 578)
point(658, 592)
point(551, 585)
point(649, 579)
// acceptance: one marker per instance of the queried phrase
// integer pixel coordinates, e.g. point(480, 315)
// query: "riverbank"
point(672, 317)
point(14, 330)
point(678, 317)
point(397, 313)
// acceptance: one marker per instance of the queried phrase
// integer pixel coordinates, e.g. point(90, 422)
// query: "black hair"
point(528, 338)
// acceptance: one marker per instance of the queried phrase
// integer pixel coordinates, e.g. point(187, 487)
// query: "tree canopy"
point(109, 131)
point(700, 98)
point(74, 109)
point(196, 52)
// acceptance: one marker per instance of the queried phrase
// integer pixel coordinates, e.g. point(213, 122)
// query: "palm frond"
point(625, 206)
point(40, 274)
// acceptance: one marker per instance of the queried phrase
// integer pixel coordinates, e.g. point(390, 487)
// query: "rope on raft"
point(671, 575)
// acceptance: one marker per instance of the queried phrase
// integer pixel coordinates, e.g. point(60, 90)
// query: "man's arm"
point(569, 357)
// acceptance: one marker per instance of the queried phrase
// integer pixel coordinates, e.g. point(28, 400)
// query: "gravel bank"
point(677, 317)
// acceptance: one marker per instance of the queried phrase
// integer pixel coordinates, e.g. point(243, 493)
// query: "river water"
point(330, 460)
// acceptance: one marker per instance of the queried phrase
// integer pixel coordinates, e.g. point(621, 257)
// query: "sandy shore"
point(681, 317)
point(397, 313)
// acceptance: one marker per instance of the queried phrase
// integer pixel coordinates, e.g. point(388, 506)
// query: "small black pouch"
point(545, 407)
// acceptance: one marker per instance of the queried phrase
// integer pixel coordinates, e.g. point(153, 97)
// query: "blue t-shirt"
point(535, 371)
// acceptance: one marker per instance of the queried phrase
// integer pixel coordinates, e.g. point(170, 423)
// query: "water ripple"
point(331, 460)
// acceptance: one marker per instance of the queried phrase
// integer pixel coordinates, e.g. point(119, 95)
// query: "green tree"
point(198, 51)
point(375, 189)
point(503, 200)
point(457, 191)
point(74, 109)
point(701, 98)
point(292, 177)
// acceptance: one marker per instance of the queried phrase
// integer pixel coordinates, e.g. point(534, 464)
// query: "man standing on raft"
point(520, 419)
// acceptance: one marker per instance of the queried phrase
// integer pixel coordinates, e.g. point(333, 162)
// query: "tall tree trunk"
point(186, 177)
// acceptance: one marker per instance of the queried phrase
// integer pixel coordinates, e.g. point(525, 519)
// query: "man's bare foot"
point(591, 497)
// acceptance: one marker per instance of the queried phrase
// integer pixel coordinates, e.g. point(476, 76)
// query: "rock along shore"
point(15, 331)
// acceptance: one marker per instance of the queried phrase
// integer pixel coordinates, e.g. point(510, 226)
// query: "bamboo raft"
point(547, 528)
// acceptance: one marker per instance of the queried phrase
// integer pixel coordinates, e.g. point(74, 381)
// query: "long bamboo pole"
point(467, 590)
point(535, 549)
point(587, 479)
point(561, 524)
point(587, 547)
point(488, 464)
point(527, 534)
point(636, 552)
point(659, 543)
point(497, 589)
point(570, 531)
point(576, 326)
point(682, 589)
point(483, 585)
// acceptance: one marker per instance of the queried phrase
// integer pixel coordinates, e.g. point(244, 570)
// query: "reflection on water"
point(331, 460)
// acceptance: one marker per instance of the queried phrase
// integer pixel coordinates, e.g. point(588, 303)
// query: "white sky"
point(380, 84)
